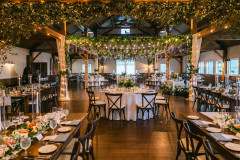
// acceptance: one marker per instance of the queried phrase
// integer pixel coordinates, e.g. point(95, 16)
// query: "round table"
point(130, 100)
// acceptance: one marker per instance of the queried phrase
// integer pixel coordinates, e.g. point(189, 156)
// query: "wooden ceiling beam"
point(49, 32)
point(104, 1)
point(34, 58)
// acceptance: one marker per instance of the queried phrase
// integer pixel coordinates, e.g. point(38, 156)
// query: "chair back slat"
point(208, 150)
point(149, 98)
point(114, 100)
point(193, 137)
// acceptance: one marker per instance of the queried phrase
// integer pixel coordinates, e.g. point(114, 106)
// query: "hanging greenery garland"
point(127, 48)
point(19, 19)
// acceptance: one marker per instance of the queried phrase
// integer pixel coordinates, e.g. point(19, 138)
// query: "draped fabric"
point(63, 82)
point(196, 46)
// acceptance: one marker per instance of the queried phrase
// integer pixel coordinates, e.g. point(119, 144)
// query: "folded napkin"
point(222, 137)
point(74, 123)
point(202, 123)
point(61, 138)
point(66, 122)
point(47, 138)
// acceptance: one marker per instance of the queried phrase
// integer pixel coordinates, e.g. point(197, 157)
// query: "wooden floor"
point(155, 140)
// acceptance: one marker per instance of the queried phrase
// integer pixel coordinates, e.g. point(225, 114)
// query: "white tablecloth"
point(129, 100)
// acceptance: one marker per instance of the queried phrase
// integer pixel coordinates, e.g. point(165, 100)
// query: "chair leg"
point(178, 152)
point(105, 111)
point(124, 114)
point(91, 152)
point(112, 114)
point(137, 115)
point(109, 114)
point(194, 103)
point(148, 113)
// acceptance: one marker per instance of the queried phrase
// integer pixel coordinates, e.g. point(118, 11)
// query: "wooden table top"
point(33, 150)
point(219, 146)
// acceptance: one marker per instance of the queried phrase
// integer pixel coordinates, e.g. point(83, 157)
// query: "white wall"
point(233, 52)
point(77, 65)
point(19, 63)
point(43, 57)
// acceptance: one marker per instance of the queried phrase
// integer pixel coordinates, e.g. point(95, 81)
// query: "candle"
point(19, 81)
point(32, 103)
point(30, 79)
point(37, 104)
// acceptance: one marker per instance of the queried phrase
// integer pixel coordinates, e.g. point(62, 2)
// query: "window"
point(233, 67)
point(125, 31)
point(219, 65)
point(125, 66)
point(163, 68)
point(89, 68)
point(210, 67)
point(201, 67)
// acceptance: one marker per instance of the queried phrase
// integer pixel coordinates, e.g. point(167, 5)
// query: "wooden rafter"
point(105, 1)
point(205, 44)
point(81, 56)
point(218, 54)
point(52, 45)
point(49, 32)
point(206, 32)
point(34, 58)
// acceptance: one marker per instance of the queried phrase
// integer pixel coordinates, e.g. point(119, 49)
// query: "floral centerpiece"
point(232, 91)
point(181, 91)
point(159, 74)
point(174, 76)
point(213, 88)
point(126, 83)
point(222, 90)
point(165, 87)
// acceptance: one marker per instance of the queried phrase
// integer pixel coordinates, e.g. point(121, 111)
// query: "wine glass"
point(21, 116)
point(25, 143)
point(221, 122)
point(6, 125)
point(237, 109)
point(54, 109)
point(53, 125)
point(13, 143)
point(66, 113)
point(15, 121)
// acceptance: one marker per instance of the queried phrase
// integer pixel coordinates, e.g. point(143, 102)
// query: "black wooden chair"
point(209, 151)
point(181, 142)
point(115, 104)
point(95, 104)
point(148, 102)
point(194, 143)
point(164, 103)
point(81, 150)
point(197, 97)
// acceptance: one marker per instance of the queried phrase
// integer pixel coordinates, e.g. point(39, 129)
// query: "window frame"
point(207, 67)
point(229, 66)
point(201, 62)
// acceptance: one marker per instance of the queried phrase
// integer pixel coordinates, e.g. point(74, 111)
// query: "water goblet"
point(13, 143)
point(15, 121)
point(66, 113)
point(221, 122)
point(54, 109)
point(25, 143)
point(21, 116)
point(53, 125)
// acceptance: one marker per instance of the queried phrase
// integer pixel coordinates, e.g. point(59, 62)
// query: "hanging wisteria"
point(127, 48)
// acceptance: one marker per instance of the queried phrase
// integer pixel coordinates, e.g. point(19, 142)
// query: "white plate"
point(233, 146)
point(213, 130)
point(47, 149)
point(64, 129)
point(193, 117)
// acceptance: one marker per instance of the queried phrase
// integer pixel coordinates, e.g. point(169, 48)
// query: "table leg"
point(26, 105)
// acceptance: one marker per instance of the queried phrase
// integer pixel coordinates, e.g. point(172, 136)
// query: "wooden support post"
point(86, 62)
point(193, 59)
point(149, 69)
point(53, 65)
point(167, 58)
point(96, 63)
point(31, 62)
point(224, 66)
